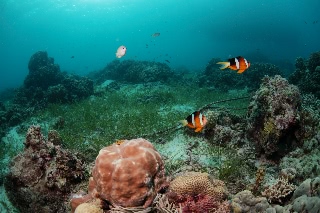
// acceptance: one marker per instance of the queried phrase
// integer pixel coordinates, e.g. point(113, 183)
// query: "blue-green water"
point(83, 35)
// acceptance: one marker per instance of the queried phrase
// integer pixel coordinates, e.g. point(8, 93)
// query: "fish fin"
point(198, 129)
point(224, 65)
point(241, 71)
point(184, 122)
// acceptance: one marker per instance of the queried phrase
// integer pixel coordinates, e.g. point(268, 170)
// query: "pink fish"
point(121, 51)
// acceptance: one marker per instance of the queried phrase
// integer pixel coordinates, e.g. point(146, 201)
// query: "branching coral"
point(280, 191)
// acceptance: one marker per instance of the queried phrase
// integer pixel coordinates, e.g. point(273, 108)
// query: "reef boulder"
point(41, 178)
point(273, 117)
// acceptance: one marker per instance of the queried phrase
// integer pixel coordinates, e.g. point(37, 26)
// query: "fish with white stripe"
point(238, 63)
point(196, 121)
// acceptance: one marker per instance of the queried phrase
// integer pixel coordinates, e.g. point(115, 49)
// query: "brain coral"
point(128, 174)
point(195, 183)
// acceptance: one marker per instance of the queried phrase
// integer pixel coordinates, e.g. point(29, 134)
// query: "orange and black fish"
point(239, 63)
point(196, 121)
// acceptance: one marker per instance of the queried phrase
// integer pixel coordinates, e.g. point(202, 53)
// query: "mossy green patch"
point(131, 112)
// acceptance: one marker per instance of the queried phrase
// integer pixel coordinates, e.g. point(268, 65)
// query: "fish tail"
point(224, 65)
point(184, 122)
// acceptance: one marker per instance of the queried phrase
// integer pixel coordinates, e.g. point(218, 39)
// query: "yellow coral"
point(269, 129)
point(88, 207)
point(260, 174)
point(193, 183)
point(119, 142)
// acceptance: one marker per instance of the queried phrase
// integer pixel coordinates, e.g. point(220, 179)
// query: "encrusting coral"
point(245, 201)
point(127, 174)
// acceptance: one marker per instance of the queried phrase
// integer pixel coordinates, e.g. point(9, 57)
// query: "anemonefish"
point(121, 51)
point(196, 121)
point(239, 63)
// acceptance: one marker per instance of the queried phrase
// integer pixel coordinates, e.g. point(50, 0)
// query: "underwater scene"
point(171, 106)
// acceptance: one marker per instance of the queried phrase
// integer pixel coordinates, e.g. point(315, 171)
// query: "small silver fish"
point(155, 34)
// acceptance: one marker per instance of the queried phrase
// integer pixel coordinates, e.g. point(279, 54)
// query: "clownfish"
point(121, 51)
point(196, 121)
point(239, 63)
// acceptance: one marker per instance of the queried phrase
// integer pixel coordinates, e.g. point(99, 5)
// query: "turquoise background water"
point(191, 32)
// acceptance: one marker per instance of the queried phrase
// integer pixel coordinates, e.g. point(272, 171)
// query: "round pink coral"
point(128, 174)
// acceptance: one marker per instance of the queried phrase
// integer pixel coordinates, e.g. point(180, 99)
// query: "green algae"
point(130, 112)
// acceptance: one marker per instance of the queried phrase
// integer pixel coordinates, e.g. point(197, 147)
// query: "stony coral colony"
point(262, 161)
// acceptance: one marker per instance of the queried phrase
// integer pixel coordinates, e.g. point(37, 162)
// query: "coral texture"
point(128, 174)
point(88, 207)
point(245, 201)
point(279, 192)
point(42, 173)
point(203, 203)
point(195, 183)
point(198, 192)
point(45, 84)
point(305, 160)
point(306, 198)
point(134, 71)
point(273, 117)
point(306, 75)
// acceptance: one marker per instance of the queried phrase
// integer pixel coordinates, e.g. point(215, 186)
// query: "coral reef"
point(305, 160)
point(203, 203)
point(128, 174)
point(90, 207)
point(162, 204)
point(198, 192)
point(260, 175)
point(43, 72)
point(134, 72)
point(279, 192)
point(195, 183)
point(41, 177)
point(307, 75)
point(245, 201)
point(306, 198)
point(45, 83)
point(273, 117)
